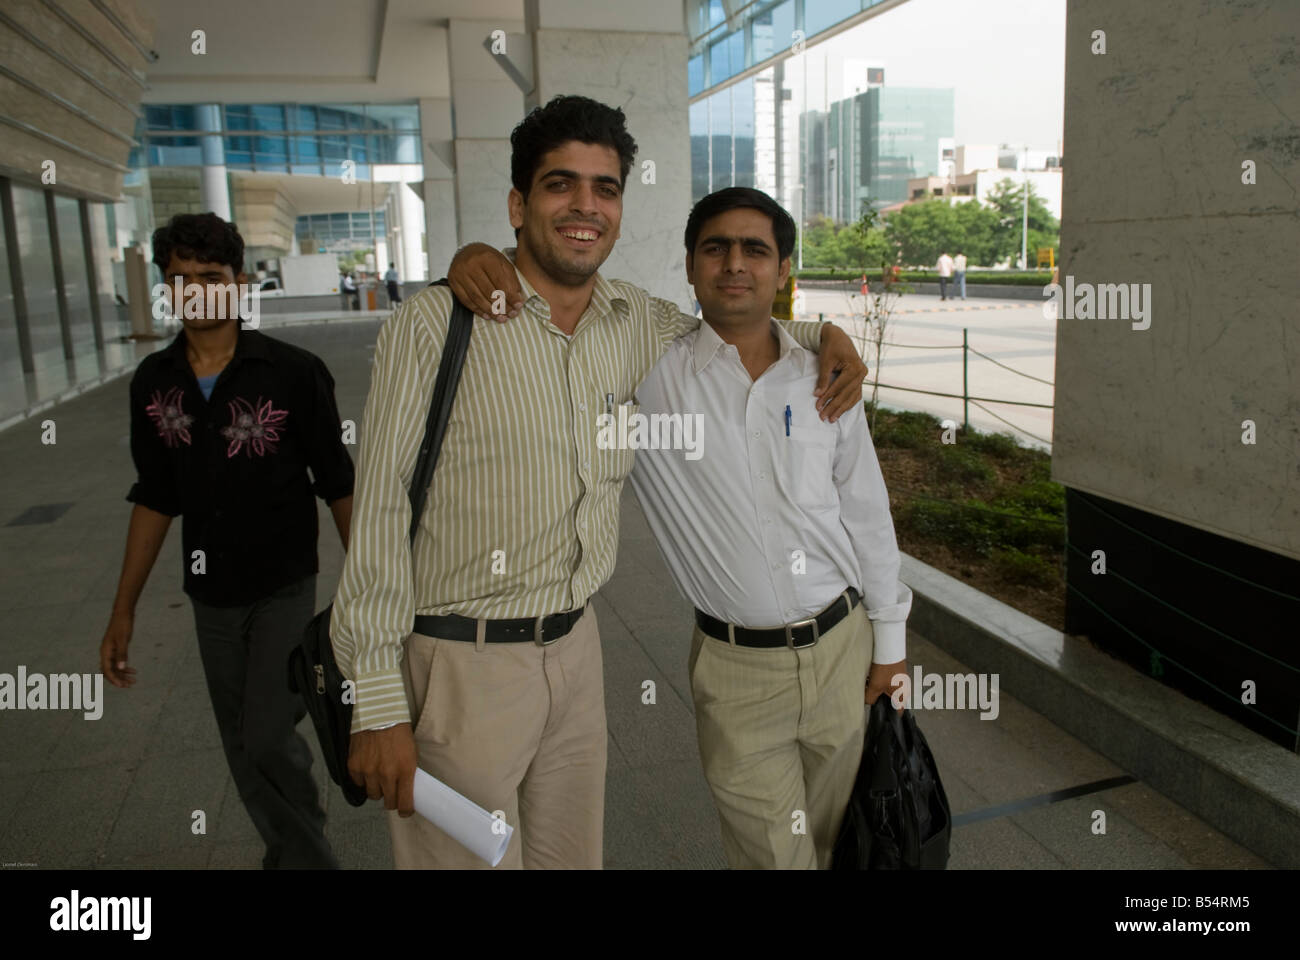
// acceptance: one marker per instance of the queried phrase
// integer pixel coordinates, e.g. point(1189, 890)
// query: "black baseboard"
point(1187, 593)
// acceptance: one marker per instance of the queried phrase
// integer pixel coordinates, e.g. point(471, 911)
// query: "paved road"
point(1013, 332)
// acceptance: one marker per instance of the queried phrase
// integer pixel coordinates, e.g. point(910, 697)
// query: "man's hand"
point(484, 280)
point(838, 356)
point(880, 680)
point(383, 761)
point(112, 651)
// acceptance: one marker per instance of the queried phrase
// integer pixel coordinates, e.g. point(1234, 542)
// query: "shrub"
point(961, 463)
point(909, 429)
point(1004, 445)
point(1026, 568)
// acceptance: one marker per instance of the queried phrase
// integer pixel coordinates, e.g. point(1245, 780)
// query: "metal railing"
point(966, 397)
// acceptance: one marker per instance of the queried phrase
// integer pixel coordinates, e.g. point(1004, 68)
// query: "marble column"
point(214, 191)
point(411, 211)
point(486, 104)
point(629, 54)
point(438, 154)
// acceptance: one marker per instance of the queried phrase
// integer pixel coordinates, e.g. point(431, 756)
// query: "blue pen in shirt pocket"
point(788, 416)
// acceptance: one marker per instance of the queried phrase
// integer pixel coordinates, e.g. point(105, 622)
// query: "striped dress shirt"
point(522, 516)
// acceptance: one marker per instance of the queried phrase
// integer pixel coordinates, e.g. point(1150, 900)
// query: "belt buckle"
point(789, 639)
point(539, 637)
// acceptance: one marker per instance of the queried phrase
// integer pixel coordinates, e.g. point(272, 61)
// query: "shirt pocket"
point(619, 460)
point(810, 463)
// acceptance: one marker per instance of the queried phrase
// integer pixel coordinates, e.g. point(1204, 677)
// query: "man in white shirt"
point(959, 274)
point(945, 271)
point(390, 281)
point(776, 526)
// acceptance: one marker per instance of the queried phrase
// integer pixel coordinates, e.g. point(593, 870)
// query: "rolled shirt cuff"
point(890, 641)
point(381, 701)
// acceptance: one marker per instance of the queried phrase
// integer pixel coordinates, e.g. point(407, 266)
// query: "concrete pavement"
point(121, 791)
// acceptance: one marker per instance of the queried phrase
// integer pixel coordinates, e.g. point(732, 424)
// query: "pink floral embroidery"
point(256, 430)
point(172, 423)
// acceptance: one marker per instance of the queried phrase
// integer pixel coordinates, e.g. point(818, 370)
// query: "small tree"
point(879, 304)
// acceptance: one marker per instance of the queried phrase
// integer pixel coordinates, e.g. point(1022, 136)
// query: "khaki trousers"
point(781, 734)
point(515, 727)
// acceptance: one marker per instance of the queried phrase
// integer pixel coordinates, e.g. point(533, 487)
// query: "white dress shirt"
point(759, 528)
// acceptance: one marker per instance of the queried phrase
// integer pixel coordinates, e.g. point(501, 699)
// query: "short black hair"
point(734, 198)
point(563, 119)
point(199, 236)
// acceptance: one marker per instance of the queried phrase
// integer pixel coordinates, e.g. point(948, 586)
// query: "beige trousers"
point(781, 734)
point(514, 727)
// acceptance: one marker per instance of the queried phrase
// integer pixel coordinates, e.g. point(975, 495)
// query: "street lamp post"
point(1024, 227)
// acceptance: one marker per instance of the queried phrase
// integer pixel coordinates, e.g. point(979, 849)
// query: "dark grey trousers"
point(245, 653)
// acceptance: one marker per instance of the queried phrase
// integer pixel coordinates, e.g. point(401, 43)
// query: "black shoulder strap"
point(459, 328)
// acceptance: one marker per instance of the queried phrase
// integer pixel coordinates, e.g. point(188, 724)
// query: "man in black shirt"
point(225, 424)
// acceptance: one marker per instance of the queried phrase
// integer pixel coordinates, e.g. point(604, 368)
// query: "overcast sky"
point(1005, 60)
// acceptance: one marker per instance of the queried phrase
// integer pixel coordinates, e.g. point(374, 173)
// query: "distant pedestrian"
point(350, 292)
point(959, 274)
point(390, 278)
point(945, 272)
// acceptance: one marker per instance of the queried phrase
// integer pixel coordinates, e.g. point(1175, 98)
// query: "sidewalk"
point(121, 791)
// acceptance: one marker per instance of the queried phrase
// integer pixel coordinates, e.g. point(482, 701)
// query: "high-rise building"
point(869, 145)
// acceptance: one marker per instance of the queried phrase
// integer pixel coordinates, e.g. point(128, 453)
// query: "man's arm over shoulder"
point(374, 607)
point(864, 512)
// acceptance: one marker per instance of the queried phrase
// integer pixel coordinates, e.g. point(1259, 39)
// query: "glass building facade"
point(339, 232)
point(819, 131)
point(59, 321)
point(721, 50)
point(311, 139)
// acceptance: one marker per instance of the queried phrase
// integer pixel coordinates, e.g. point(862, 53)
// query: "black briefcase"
point(313, 672)
point(898, 816)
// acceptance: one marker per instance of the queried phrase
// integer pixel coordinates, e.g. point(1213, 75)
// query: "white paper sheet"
point(461, 819)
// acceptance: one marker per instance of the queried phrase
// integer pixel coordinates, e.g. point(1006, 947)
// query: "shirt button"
point(762, 476)
point(768, 521)
point(582, 406)
point(757, 433)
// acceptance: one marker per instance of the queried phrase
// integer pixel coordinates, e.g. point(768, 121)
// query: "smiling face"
point(569, 222)
point(735, 268)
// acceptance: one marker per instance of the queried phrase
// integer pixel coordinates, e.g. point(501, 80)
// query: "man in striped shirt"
point(502, 673)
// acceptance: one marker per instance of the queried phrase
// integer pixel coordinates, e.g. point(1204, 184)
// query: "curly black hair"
point(563, 119)
point(199, 236)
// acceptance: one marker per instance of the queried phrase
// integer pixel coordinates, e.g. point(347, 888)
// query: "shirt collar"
point(604, 295)
point(708, 343)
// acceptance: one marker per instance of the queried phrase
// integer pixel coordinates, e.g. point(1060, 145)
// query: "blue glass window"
point(727, 57)
point(818, 15)
point(695, 75)
point(773, 31)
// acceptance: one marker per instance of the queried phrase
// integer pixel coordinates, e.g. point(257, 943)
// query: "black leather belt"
point(540, 630)
point(791, 634)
